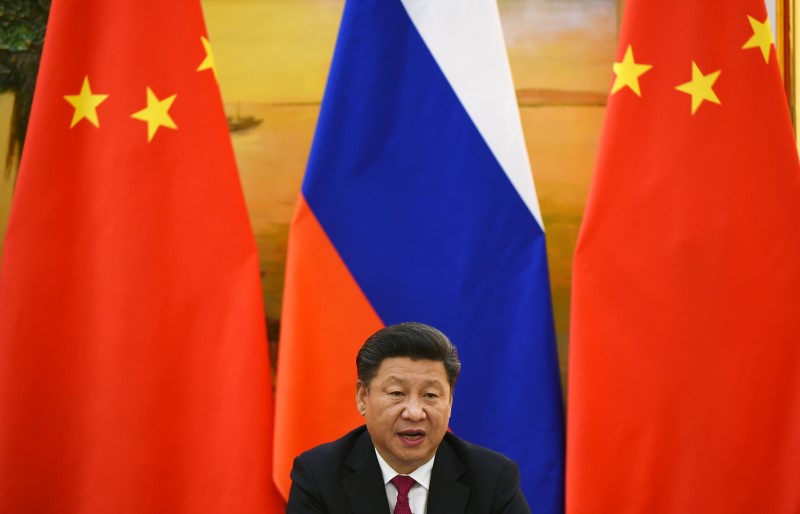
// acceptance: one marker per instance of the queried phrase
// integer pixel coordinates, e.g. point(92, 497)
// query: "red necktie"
point(403, 485)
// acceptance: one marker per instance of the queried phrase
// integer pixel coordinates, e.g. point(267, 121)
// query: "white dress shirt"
point(418, 495)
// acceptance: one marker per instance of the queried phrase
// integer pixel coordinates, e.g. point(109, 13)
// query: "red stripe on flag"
point(321, 302)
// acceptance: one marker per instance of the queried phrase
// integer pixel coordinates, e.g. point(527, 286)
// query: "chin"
point(417, 457)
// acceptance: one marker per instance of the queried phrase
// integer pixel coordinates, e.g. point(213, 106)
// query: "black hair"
point(413, 340)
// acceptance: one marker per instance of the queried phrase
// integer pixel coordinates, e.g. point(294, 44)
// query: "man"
point(404, 461)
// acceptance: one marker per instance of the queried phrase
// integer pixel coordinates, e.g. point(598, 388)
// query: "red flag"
point(134, 374)
point(684, 385)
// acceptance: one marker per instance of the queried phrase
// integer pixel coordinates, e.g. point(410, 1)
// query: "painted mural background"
point(273, 58)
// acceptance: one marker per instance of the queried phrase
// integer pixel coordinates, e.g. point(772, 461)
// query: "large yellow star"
point(761, 38)
point(156, 114)
point(85, 104)
point(628, 73)
point(700, 87)
point(208, 63)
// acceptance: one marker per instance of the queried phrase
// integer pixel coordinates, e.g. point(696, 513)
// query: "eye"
point(431, 396)
point(395, 394)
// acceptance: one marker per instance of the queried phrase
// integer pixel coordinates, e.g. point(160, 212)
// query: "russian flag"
point(418, 205)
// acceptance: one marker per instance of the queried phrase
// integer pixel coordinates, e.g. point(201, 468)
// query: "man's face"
point(407, 409)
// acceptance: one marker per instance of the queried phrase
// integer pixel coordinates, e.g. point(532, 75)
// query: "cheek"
point(385, 412)
point(440, 415)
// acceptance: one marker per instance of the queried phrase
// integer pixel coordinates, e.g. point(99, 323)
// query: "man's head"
point(406, 376)
point(413, 340)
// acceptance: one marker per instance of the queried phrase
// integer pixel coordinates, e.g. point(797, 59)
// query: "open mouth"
point(412, 435)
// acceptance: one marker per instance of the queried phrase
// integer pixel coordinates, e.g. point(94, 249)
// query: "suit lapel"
point(447, 495)
point(365, 488)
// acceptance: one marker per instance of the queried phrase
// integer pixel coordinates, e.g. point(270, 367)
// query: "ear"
point(361, 397)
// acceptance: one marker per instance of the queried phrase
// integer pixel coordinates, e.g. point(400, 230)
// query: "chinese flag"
point(684, 391)
point(134, 374)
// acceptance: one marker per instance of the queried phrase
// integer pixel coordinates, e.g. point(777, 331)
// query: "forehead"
point(405, 369)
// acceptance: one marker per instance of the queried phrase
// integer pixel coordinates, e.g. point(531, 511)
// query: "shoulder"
point(336, 451)
point(493, 478)
point(341, 457)
point(475, 456)
point(317, 474)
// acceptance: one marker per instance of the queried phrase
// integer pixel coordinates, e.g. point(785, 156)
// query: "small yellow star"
point(700, 87)
point(208, 63)
point(628, 73)
point(156, 114)
point(85, 104)
point(761, 38)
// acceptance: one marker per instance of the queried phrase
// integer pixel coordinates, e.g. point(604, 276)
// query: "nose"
point(413, 410)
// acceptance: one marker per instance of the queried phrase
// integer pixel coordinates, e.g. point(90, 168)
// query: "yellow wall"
point(7, 176)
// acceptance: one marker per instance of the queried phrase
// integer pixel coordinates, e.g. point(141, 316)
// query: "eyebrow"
point(430, 381)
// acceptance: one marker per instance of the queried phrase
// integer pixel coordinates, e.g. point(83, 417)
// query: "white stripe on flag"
point(466, 39)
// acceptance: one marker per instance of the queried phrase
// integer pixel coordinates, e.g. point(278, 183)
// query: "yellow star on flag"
point(156, 114)
point(208, 63)
point(85, 104)
point(628, 73)
point(700, 87)
point(761, 38)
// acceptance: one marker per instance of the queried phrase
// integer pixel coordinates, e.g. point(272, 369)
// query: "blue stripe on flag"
point(433, 231)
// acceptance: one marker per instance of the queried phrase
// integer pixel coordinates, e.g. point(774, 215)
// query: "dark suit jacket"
point(344, 477)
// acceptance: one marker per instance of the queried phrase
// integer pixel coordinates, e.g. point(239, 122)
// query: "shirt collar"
point(422, 475)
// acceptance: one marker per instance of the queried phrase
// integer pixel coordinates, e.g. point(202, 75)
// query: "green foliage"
point(22, 23)
point(22, 28)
